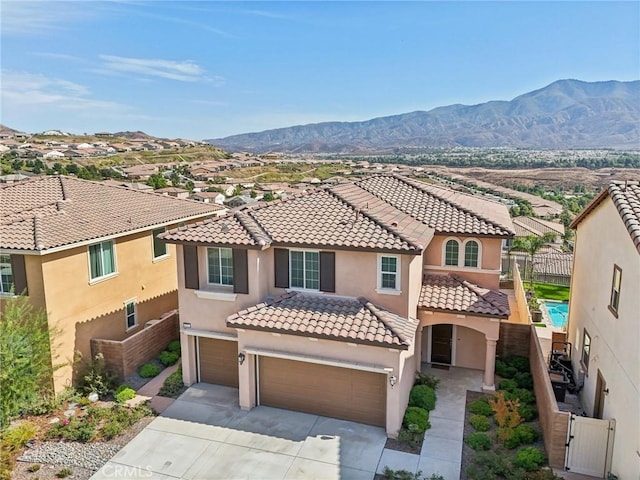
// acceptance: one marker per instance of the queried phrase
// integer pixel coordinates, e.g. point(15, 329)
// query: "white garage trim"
point(209, 334)
point(322, 361)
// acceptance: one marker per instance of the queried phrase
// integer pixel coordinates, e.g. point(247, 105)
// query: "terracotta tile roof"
point(328, 317)
point(452, 294)
point(56, 211)
point(442, 209)
point(626, 198)
point(536, 226)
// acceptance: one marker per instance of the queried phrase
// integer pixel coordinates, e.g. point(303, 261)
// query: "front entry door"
point(441, 343)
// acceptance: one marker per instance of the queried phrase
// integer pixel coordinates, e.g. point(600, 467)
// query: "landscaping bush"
point(481, 407)
point(521, 435)
point(520, 363)
point(64, 472)
point(522, 395)
point(174, 347)
point(489, 465)
point(427, 379)
point(524, 380)
point(478, 441)
point(168, 358)
point(15, 438)
point(507, 385)
point(124, 393)
point(172, 386)
point(97, 379)
point(149, 370)
point(479, 422)
point(74, 429)
point(411, 435)
point(423, 396)
point(416, 416)
point(111, 430)
point(527, 412)
point(390, 474)
point(505, 371)
point(529, 458)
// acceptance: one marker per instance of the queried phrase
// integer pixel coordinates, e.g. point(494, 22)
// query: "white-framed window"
point(102, 260)
point(6, 274)
point(462, 254)
point(304, 269)
point(220, 266)
point(451, 253)
point(616, 282)
point(586, 349)
point(388, 273)
point(130, 314)
point(159, 247)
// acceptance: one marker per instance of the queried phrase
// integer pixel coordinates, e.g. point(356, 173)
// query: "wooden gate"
point(589, 445)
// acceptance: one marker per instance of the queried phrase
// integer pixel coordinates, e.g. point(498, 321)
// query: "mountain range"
point(567, 114)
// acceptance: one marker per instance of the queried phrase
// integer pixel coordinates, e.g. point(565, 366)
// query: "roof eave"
point(464, 312)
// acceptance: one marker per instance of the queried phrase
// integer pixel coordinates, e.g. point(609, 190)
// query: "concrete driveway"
point(205, 435)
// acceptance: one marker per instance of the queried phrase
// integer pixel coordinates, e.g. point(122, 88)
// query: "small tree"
point(26, 359)
point(531, 244)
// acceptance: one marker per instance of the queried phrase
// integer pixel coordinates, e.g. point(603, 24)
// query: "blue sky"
point(197, 69)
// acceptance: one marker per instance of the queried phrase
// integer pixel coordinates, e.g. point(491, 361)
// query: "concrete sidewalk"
point(442, 447)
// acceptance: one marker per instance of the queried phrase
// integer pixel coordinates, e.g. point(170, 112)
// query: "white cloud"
point(27, 18)
point(184, 71)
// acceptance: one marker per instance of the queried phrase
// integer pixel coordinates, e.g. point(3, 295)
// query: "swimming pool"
point(557, 312)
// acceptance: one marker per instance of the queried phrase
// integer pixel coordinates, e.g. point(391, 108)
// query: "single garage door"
point(323, 390)
point(218, 360)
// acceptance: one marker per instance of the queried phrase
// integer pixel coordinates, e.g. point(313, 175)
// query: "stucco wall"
point(602, 240)
point(83, 310)
point(471, 348)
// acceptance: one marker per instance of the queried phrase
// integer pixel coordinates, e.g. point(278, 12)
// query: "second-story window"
point(471, 254)
point(102, 262)
point(614, 301)
point(220, 266)
point(586, 349)
point(6, 274)
point(388, 272)
point(305, 269)
point(451, 251)
point(159, 247)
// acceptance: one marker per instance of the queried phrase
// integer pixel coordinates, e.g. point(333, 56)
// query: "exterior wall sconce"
point(605, 391)
point(186, 325)
point(393, 380)
point(241, 358)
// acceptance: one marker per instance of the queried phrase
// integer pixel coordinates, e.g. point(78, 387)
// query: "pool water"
point(558, 313)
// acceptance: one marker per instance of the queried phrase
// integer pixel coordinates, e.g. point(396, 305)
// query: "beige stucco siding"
point(602, 240)
point(471, 347)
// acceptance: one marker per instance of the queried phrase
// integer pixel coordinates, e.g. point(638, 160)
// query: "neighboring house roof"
point(443, 209)
point(626, 198)
point(333, 318)
point(450, 293)
point(525, 226)
point(364, 215)
point(57, 211)
point(171, 190)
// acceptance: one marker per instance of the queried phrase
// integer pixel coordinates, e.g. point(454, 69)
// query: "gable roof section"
point(536, 226)
point(55, 212)
point(443, 209)
point(626, 198)
point(328, 317)
point(451, 294)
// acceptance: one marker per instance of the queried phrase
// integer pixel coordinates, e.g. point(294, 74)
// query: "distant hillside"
point(564, 115)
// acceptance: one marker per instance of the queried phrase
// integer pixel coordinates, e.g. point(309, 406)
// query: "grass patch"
point(551, 292)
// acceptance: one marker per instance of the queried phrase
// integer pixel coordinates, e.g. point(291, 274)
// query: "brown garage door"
point(323, 390)
point(218, 361)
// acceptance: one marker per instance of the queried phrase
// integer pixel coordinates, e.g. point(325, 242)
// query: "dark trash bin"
point(559, 382)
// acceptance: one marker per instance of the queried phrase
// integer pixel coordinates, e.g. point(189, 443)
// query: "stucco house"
point(604, 317)
point(87, 254)
point(327, 302)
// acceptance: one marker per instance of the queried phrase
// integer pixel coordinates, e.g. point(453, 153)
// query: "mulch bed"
point(394, 444)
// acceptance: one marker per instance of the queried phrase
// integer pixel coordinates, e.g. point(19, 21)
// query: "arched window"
point(471, 254)
point(451, 251)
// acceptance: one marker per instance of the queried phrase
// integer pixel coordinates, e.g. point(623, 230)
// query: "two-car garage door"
point(345, 393)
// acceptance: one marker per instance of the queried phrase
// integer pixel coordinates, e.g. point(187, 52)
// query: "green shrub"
point(173, 386)
point(524, 380)
point(507, 385)
point(111, 430)
point(492, 465)
point(522, 395)
point(168, 358)
point(481, 407)
point(479, 422)
point(529, 458)
point(43, 405)
point(15, 438)
point(174, 347)
point(427, 379)
point(520, 363)
point(416, 416)
point(527, 412)
point(74, 429)
point(64, 472)
point(478, 441)
point(423, 396)
point(97, 379)
point(124, 393)
point(505, 371)
point(520, 435)
point(33, 468)
point(149, 370)
point(390, 474)
point(410, 435)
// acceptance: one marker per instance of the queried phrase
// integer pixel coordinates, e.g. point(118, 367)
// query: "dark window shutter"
point(327, 271)
point(281, 267)
point(19, 275)
point(240, 271)
point(191, 277)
